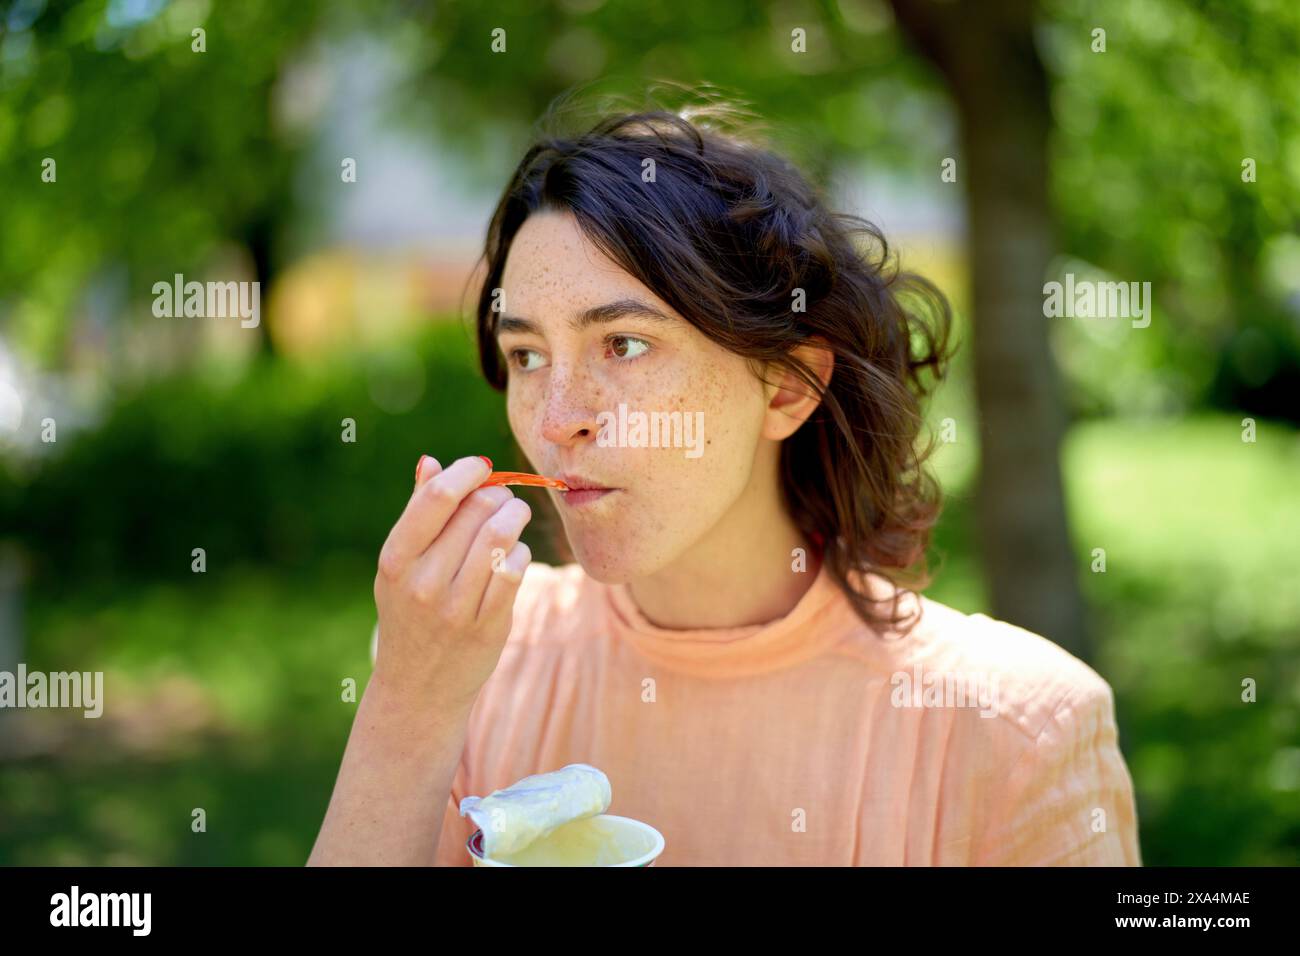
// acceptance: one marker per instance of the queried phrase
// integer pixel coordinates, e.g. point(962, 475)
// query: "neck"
point(739, 574)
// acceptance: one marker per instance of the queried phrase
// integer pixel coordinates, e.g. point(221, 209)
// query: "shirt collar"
point(822, 617)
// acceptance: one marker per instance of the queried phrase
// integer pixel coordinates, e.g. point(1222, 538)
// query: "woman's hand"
point(446, 585)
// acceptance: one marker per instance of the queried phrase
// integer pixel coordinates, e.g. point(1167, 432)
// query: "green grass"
point(1201, 591)
point(226, 695)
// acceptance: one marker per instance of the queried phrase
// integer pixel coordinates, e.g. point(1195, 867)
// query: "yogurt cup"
point(638, 844)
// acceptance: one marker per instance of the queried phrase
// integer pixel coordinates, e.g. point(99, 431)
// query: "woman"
point(682, 328)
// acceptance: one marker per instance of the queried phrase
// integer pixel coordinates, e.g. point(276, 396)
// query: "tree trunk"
point(987, 56)
point(260, 239)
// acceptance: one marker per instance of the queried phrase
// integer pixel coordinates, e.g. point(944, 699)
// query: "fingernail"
point(418, 466)
point(488, 460)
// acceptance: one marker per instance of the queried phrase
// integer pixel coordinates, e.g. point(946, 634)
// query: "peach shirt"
point(797, 743)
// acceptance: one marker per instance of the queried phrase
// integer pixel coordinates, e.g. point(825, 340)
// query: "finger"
point(494, 541)
point(425, 469)
point(500, 594)
point(431, 507)
point(438, 566)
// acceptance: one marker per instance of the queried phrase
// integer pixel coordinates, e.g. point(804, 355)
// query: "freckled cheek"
point(521, 412)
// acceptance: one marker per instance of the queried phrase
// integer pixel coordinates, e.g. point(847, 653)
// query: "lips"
point(581, 499)
point(584, 492)
point(579, 483)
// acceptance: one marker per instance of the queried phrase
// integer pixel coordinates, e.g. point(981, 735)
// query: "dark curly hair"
point(726, 233)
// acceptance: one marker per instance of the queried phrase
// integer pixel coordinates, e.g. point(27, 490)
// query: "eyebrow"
point(596, 315)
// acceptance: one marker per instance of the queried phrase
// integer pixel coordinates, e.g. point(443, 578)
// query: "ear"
point(789, 400)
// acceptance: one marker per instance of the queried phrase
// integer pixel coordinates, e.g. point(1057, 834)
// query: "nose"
point(570, 410)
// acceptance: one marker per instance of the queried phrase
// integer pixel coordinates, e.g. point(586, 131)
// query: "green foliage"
point(168, 157)
point(162, 153)
point(1186, 615)
point(1147, 175)
point(253, 472)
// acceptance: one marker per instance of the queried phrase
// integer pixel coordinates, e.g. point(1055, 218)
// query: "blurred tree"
point(1155, 177)
point(987, 56)
point(165, 144)
point(1176, 159)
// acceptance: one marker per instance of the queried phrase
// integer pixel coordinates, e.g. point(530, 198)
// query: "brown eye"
point(519, 357)
point(626, 346)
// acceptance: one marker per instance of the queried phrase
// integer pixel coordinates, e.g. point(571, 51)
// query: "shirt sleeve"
point(1068, 799)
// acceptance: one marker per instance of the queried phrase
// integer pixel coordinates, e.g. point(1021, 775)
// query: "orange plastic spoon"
point(523, 478)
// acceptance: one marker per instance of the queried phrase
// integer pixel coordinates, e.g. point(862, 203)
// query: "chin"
point(609, 562)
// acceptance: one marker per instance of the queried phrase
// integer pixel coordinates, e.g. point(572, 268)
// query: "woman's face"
point(566, 382)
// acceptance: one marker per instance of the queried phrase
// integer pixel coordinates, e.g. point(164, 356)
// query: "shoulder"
point(1035, 681)
point(1053, 760)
